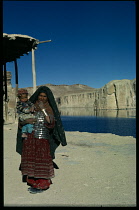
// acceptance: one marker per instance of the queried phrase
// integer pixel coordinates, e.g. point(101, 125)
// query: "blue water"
point(93, 124)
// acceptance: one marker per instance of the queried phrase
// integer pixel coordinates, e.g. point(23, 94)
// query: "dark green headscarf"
point(57, 135)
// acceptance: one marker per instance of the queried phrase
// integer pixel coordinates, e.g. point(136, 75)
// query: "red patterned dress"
point(36, 161)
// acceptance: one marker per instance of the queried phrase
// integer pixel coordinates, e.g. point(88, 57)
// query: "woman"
point(38, 149)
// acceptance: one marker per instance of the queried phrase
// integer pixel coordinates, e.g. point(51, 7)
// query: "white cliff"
point(117, 94)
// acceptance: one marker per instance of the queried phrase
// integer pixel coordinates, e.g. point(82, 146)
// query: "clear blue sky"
point(93, 42)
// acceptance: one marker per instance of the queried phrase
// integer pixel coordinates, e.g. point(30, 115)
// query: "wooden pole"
point(16, 84)
point(45, 41)
point(6, 95)
point(33, 70)
point(33, 66)
point(16, 77)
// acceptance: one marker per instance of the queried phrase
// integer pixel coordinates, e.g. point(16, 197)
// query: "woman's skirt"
point(36, 162)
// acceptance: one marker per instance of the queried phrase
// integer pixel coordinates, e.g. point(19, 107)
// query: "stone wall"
point(9, 104)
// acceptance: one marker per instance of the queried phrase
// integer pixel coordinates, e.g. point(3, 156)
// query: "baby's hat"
point(22, 91)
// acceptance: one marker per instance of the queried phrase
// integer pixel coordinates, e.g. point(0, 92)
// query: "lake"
point(119, 122)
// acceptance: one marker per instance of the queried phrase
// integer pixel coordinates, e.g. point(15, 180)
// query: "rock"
point(117, 94)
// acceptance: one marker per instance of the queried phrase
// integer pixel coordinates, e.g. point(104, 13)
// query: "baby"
point(25, 111)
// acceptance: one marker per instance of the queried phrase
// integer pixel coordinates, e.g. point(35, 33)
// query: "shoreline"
point(95, 169)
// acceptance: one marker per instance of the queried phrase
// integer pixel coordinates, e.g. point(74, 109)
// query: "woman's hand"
point(32, 108)
point(45, 113)
point(41, 105)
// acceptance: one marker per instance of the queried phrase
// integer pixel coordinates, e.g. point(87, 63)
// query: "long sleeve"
point(22, 108)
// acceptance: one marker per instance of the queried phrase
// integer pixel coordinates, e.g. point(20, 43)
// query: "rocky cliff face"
point(117, 94)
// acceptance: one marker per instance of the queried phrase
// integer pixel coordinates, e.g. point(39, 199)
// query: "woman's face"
point(42, 97)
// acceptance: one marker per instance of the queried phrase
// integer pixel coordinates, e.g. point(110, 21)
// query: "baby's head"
point(23, 95)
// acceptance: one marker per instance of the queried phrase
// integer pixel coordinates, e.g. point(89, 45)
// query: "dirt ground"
point(94, 170)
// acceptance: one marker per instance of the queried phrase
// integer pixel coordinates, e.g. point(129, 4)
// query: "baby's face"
point(24, 98)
